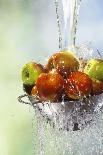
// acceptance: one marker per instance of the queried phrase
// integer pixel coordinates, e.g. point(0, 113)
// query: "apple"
point(97, 87)
point(27, 88)
point(34, 91)
point(50, 86)
point(94, 69)
point(64, 62)
point(31, 72)
point(78, 85)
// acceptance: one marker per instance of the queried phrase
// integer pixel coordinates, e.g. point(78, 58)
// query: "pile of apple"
point(62, 78)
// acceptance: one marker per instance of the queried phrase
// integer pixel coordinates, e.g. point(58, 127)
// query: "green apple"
point(94, 69)
point(31, 72)
point(64, 62)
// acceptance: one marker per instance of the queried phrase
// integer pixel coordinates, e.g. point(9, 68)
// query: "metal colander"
point(69, 115)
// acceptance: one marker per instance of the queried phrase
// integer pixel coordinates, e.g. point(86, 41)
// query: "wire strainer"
point(69, 115)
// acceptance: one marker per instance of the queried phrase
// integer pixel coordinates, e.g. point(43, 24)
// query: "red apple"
point(78, 85)
point(63, 62)
point(50, 86)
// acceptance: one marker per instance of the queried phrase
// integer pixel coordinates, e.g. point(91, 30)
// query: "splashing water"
point(82, 142)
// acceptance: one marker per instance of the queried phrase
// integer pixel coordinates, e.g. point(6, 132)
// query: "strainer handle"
point(20, 99)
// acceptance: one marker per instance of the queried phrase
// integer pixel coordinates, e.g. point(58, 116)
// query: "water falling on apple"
point(71, 10)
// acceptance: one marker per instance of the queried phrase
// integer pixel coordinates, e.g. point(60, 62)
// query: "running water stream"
point(71, 13)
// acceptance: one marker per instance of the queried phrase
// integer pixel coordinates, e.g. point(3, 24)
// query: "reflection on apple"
point(34, 91)
point(64, 62)
point(50, 86)
point(78, 85)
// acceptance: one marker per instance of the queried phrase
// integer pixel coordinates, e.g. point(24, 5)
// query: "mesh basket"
point(69, 115)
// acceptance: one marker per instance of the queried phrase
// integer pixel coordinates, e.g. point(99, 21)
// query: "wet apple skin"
point(50, 86)
point(78, 85)
point(34, 91)
point(63, 62)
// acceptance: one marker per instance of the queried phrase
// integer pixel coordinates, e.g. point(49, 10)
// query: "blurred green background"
point(28, 31)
